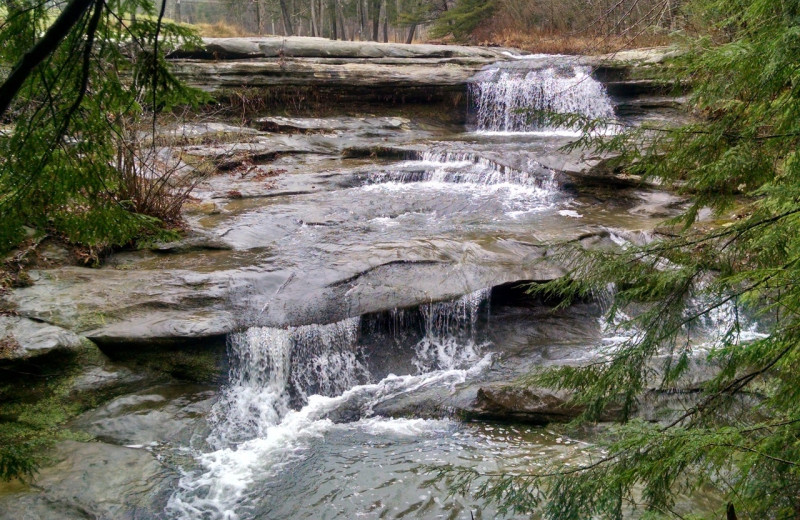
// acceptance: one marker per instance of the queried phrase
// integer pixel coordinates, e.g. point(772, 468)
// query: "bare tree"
point(287, 20)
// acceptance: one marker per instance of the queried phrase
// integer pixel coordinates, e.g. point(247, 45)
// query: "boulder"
point(522, 403)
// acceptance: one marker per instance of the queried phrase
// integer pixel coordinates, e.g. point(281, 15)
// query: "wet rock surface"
point(162, 414)
point(94, 480)
point(26, 338)
point(375, 238)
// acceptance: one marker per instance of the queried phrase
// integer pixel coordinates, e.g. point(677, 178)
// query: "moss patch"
point(35, 403)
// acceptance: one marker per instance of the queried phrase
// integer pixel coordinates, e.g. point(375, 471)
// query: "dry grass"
point(552, 43)
point(220, 30)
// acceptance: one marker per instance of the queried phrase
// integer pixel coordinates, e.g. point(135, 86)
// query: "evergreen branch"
point(87, 63)
point(39, 52)
point(755, 452)
point(733, 387)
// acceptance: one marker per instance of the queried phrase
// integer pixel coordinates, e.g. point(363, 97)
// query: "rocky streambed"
point(348, 305)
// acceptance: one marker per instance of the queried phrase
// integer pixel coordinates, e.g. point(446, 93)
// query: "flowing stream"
point(293, 389)
point(298, 431)
point(387, 297)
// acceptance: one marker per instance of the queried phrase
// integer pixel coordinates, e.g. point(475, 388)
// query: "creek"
point(378, 311)
point(298, 431)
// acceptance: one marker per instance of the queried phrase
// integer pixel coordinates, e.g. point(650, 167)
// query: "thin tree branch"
point(41, 50)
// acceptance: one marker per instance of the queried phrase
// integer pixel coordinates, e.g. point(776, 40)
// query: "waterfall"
point(288, 386)
point(275, 370)
point(467, 168)
point(505, 97)
point(450, 333)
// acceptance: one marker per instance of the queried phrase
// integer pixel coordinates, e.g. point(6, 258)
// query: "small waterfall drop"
point(288, 387)
point(450, 339)
point(275, 370)
point(505, 97)
point(530, 177)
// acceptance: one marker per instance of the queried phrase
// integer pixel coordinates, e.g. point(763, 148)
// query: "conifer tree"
point(70, 79)
point(462, 19)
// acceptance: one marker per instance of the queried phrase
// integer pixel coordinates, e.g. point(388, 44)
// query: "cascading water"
point(469, 168)
point(505, 98)
point(290, 386)
point(450, 333)
point(274, 370)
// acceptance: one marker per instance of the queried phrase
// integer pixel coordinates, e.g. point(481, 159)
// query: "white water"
point(505, 98)
point(286, 384)
point(470, 168)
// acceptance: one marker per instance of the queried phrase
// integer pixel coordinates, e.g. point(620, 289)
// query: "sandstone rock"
point(161, 414)
point(354, 78)
point(348, 124)
point(305, 47)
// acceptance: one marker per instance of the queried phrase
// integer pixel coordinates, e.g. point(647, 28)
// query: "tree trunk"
point(340, 16)
point(385, 22)
point(411, 31)
point(287, 21)
point(321, 11)
point(375, 11)
point(259, 19)
point(334, 21)
point(314, 23)
point(362, 17)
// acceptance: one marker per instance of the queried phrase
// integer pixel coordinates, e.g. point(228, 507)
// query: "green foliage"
point(57, 163)
point(740, 158)
point(461, 20)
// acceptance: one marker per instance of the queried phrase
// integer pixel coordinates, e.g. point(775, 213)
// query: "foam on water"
point(570, 213)
point(219, 489)
point(390, 426)
point(505, 97)
point(554, 132)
